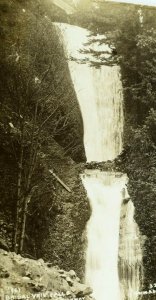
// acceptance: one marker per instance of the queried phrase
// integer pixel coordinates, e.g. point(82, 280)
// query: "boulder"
point(61, 271)
point(84, 291)
point(73, 289)
point(33, 276)
point(77, 279)
point(25, 279)
point(72, 274)
point(70, 282)
point(68, 293)
point(64, 286)
point(49, 265)
point(4, 273)
point(41, 261)
point(63, 275)
point(38, 288)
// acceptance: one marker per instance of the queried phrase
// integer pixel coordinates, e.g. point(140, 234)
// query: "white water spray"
point(130, 254)
point(105, 193)
point(99, 93)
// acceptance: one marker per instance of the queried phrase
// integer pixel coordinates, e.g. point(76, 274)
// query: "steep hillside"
point(40, 130)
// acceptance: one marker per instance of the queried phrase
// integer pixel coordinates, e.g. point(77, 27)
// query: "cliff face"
point(138, 157)
point(55, 217)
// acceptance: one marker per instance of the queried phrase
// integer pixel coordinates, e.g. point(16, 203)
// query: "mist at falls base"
point(113, 255)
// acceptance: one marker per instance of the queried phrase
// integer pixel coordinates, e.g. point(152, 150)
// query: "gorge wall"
point(56, 217)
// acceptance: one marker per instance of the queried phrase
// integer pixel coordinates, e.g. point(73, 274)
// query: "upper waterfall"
point(98, 89)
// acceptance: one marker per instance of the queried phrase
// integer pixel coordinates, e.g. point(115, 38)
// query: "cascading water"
point(130, 253)
point(99, 92)
point(104, 192)
point(111, 234)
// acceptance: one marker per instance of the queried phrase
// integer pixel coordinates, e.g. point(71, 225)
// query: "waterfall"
point(130, 253)
point(104, 192)
point(102, 102)
point(113, 255)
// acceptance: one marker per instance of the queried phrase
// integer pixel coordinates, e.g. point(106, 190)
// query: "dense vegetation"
point(40, 130)
point(139, 70)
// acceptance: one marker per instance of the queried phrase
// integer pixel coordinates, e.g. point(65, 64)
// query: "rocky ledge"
point(24, 278)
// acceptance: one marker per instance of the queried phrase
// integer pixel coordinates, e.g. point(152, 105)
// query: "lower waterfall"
point(104, 190)
point(113, 254)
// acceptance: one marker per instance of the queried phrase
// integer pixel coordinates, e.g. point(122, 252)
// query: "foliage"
point(37, 107)
point(139, 156)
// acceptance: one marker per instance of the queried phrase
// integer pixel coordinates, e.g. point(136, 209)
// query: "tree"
point(33, 101)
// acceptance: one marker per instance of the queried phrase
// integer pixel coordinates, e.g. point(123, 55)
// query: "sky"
point(143, 2)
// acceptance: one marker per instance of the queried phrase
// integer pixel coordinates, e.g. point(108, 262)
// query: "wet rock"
point(126, 200)
point(3, 245)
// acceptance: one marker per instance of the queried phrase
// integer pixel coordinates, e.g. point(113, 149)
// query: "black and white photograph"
point(77, 149)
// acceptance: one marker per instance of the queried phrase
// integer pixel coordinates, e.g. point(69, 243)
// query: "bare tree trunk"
point(19, 181)
point(28, 190)
point(27, 199)
point(60, 181)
